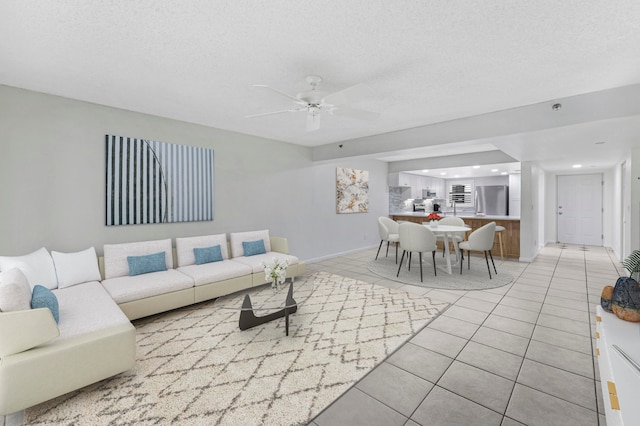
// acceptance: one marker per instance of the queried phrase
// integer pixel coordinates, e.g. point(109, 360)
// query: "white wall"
point(52, 170)
point(532, 219)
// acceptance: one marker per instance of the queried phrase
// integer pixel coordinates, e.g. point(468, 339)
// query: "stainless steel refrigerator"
point(492, 199)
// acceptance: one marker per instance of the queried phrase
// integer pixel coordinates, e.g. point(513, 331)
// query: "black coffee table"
point(278, 301)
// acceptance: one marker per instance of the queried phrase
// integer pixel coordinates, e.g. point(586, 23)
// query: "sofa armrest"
point(23, 330)
point(279, 244)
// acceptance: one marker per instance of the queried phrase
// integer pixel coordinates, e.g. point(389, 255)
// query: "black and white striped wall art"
point(157, 182)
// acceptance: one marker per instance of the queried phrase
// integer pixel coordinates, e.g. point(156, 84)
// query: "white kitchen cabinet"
point(399, 179)
point(619, 379)
point(405, 179)
point(438, 186)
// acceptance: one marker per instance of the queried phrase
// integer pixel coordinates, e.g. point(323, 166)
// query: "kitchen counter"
point(510, 236)
point(461, 215)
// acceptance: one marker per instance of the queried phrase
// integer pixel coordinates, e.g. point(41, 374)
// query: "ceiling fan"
point(315, 101)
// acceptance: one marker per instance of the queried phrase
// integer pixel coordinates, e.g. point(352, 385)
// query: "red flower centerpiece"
point(434, 216)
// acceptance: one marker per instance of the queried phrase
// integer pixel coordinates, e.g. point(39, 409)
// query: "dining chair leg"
point(379, 247)
point(387, 255)
point(469, 259)
point(409, 266)
point(397, 252)
point(401, 260)
point(486, 259)
point(420, 257)
point(461, 262)
point(433, 255)
point(494, 265)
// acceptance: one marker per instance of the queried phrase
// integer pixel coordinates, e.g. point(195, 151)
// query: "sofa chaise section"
point(96, 341)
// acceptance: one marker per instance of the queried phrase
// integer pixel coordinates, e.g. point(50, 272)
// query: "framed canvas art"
point(352, 190)
point(157, 182)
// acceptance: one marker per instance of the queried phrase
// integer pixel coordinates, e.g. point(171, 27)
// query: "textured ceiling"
point(426, 61)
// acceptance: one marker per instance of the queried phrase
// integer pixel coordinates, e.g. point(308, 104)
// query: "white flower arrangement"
point(276, 272)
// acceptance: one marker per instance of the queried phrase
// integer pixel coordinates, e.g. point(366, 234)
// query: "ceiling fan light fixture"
point(315, 102)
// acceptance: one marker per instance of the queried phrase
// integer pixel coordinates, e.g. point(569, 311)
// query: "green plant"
point(632, 264)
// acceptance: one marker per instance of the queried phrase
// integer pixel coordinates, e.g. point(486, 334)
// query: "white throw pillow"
point(15, 292)
point(37, 267)
point(76, 268)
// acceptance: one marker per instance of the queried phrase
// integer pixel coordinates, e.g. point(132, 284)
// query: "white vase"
point(434, 223)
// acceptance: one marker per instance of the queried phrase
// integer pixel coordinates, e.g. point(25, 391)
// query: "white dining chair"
point(457, 237)
point(480, 240)
point(417, 238)
point(388, 230)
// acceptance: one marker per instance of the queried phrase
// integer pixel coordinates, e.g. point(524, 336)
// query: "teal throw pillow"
point(144, 264)
point(251, 248)
point(208, 254)
point(42, 297)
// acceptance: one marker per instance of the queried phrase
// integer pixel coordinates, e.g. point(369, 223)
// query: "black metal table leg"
point(248, 318)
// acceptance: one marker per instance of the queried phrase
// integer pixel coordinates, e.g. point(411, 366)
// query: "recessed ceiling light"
point(494, 170)
point(476, 167)
point(425, 171)
point(503, 173)
point(577, 166)
point(456, 176)
point(443, 173)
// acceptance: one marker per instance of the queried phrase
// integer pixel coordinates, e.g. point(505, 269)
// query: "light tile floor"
point(519, 354)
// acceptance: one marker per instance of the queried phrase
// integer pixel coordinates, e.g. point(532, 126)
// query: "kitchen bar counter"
point(510, 236)
point(461, 215)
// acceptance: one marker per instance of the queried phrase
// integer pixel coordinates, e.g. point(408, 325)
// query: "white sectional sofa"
point(97, 298)
point(40, 359)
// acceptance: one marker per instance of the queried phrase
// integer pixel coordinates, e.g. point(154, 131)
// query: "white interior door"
point(580, 209)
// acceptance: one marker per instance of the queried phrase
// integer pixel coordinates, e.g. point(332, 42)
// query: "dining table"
point(448, 232)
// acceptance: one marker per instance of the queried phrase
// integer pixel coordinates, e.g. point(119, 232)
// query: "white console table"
point(620, 380)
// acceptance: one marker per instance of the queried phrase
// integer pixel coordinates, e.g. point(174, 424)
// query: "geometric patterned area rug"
point(476, 278)
point(194, 365)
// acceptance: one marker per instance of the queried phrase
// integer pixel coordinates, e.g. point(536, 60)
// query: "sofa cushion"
point(115, 255)
point(185, 246)
point(76, 268)
point(85, 308)
point(208, 254)
point(37, 267)
point(127, 289)
point(15, 292)
point(215, 272)
point(237, 238)
point(254, 262)
point(251, 248)
point(42, 297)
point(145, 264)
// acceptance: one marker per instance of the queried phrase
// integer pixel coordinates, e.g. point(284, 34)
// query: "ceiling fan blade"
point(313, 122)
point(274, 112)
point(281, 93)
point(350, 94)
point(360, 114)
